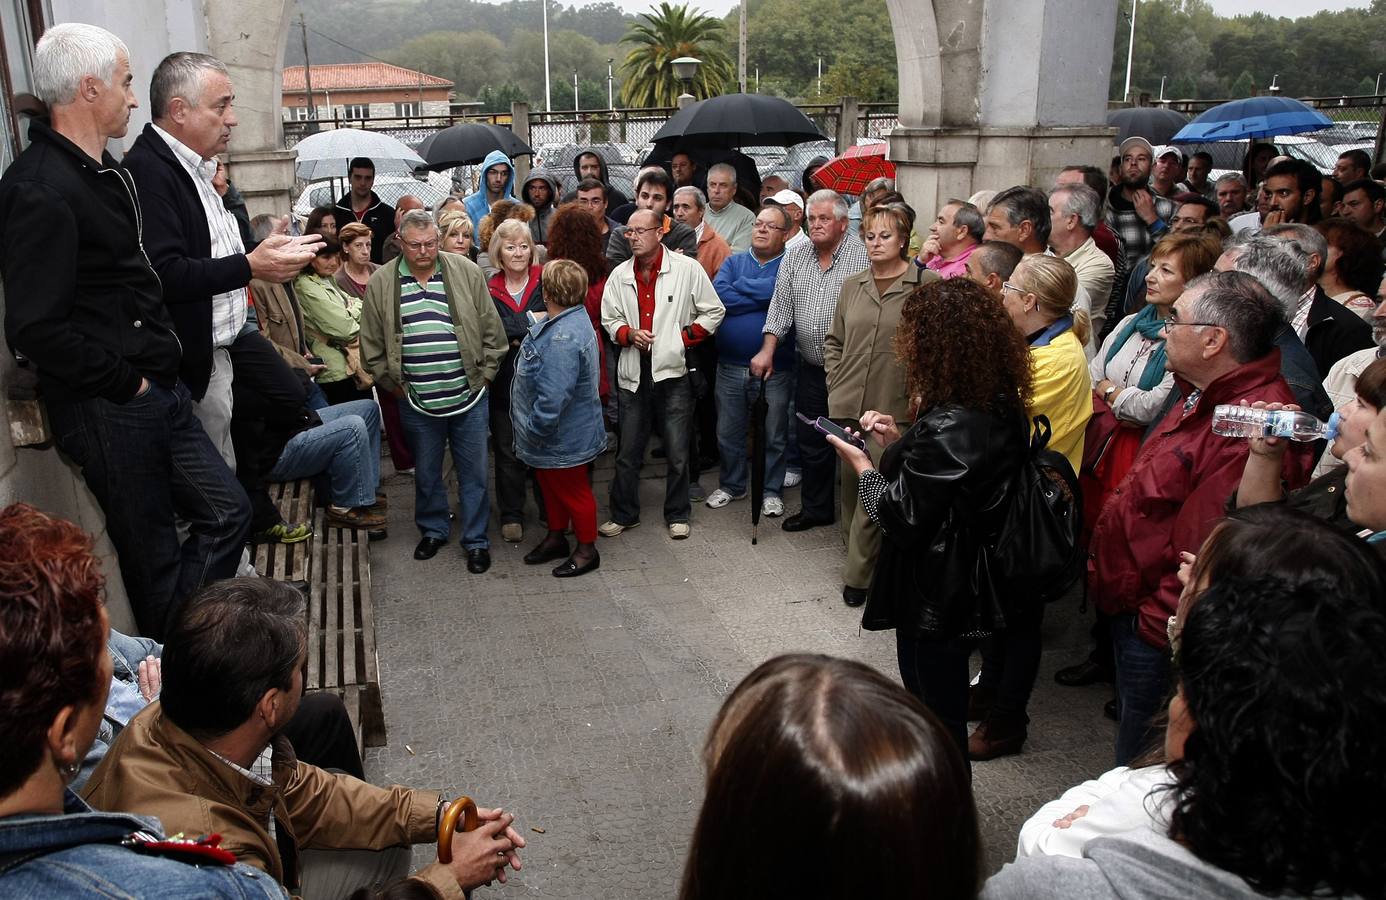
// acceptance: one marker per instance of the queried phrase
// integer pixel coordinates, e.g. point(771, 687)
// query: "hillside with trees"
point(494, 51)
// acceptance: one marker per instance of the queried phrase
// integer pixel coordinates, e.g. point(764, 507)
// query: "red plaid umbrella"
point(851, 172)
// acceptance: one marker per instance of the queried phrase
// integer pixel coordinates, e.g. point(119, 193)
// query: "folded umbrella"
point(851, 172)
point(1253, 117)
point(468, 144)
point(758, 413)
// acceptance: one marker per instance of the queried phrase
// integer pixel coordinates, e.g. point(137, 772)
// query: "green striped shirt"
point(434, 375)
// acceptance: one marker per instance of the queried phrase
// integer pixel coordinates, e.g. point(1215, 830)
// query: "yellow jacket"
point(1063, 393)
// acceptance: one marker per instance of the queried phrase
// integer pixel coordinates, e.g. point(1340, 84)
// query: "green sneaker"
point(285, 533)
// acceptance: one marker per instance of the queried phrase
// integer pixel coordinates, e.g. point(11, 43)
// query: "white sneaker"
point(792, 478)
point(720, 498)
point(679, 530)
point(773, 507)
point(613, 528)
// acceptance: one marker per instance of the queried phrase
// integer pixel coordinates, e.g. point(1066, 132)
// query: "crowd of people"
point(190, 356)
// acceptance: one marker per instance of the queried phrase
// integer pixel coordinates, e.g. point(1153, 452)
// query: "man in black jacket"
point(83, 304)
point(360, 204)
point(193, 242)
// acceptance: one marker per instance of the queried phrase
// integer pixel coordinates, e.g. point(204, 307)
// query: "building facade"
point(356, 92)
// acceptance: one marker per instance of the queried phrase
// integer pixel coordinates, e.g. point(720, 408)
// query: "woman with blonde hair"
point(455, 233)
point(518, 293)
point(503, 211)
point(1039, 299)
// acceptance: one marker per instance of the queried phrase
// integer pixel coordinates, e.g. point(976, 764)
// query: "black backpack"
point(1037, 552)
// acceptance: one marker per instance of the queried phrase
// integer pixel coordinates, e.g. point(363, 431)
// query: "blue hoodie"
point(476, 203)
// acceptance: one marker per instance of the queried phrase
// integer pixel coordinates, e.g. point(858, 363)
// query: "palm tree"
point(668, 33)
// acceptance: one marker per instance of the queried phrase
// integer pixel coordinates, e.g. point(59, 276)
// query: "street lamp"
point(685, 70)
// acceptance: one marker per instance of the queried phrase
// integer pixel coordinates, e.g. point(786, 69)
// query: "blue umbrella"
point(1254, 117)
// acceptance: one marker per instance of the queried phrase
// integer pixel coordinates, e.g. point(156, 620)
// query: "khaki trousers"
point(861, 535)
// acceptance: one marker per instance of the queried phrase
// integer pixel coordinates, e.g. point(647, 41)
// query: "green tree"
point(467, 59)
point(667, 33)
point(788, 36)
point(497, 99)
point(568, 52)
point(1244, 86)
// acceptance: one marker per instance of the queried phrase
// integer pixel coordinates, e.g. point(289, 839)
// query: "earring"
point(70, 770)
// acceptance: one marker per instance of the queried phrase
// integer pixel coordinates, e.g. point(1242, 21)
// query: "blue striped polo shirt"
point(434, 375)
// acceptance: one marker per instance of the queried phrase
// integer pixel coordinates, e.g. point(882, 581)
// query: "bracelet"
point(438, 813)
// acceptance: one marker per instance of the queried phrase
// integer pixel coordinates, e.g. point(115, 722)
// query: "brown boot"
point(359, 517)
point(993, 740)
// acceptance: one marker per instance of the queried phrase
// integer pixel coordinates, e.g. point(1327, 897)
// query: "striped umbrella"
point(851, 172)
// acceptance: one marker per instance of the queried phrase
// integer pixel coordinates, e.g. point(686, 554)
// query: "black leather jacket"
point(949, 475)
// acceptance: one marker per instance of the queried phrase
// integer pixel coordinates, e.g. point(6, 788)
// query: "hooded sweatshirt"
point(1138, 865)
point(614, 198)
point(476, 204)
point(539, 225)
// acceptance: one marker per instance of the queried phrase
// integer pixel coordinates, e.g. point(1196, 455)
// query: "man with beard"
point(1134, 212)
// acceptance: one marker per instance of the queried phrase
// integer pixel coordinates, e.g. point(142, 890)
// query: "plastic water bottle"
point(1246, 422)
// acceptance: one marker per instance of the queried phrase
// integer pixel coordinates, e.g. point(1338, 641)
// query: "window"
point(356, 111)
point(299, 113)
point(407, 110)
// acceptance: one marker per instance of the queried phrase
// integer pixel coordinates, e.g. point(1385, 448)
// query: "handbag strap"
point(1040, 435)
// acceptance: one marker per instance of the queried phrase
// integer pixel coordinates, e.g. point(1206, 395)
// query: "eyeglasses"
point(766, 226)
point(1007, 286)
point(1173, 319)
point(633, 230)
point(421, 246)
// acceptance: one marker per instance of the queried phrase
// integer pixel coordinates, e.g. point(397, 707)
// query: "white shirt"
point(800, 239)
point(1250, 221)
point(229, 308)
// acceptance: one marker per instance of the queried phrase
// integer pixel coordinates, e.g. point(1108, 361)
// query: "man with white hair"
point(1074, 211)
point(192, 241)
point(690, 209)
point(1230, 192)
point(84, 305)
point(730, 219)
point(1329, 330)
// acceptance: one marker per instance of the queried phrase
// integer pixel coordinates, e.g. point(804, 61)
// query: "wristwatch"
point(1107, 394)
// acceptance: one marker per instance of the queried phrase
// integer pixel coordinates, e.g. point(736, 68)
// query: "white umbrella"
point(327, 153)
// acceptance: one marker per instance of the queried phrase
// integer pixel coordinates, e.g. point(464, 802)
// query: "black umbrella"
point(747, 175)
point(735, 120)
point(758, 411)
point(468, 144)
point(1154, 123)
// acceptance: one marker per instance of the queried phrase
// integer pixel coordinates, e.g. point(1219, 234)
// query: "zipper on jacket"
point(128, 183)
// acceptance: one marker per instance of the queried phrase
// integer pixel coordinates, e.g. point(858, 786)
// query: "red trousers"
point(394, 431)
point(568, 497)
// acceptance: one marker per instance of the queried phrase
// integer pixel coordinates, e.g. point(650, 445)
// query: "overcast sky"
point(1289, 8)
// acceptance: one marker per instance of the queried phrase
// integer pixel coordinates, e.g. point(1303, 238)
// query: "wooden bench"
point(341, 628)
point(333, 568)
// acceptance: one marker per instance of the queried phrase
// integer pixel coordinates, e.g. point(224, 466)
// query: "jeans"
point(935, 670)
point(465, 435)
point(346, 446)
point(1143, 687)
point(672, 399)
point(737, 390)
point(816, 454)
point(1010, 665)
point(148, 461)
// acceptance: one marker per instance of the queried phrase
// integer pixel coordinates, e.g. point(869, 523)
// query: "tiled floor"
point(582, 704)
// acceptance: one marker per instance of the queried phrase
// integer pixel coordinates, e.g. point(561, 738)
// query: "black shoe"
point(546, 551)
point(853, 597)
point(1112, 710)
point(377, 534)
point(428, 547)
point(570, 569)
point(801, 522)
point(1086, 672)
point(478, 560)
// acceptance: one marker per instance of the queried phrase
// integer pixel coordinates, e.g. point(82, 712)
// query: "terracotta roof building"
point(358, 91)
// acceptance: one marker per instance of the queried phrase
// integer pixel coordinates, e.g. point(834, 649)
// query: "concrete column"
point(249, 38)
point(846, 124)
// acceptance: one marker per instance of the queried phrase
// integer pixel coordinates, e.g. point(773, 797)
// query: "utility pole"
point(820, 77)
point(1162, 87)
point(307, 69)
point(610, 81)
point(741, 50)
point(1130, 54)
point(548, 97)
point(575, 91)
point(757, 79)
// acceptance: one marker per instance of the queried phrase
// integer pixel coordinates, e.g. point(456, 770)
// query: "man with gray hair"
point(955, 233)
point(730, 219)
point(1074, 211)
point(84, 305)
point(805, 299)
point(192, 241)
point(1230, 192)
point(690, 209)
point(1220, 345)
point(1019, 216)
point(430, 335)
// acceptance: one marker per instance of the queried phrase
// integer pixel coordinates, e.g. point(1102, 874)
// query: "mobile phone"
point(315, 360)
point(827, 426)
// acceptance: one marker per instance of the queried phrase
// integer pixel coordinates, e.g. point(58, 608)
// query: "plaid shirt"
point(1136, 237)
point(260, 772)
point(805, 295)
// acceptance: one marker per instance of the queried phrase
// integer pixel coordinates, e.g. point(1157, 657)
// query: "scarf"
point(1152, 329)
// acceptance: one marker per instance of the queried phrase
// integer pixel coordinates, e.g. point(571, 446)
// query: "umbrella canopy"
point(327, 153)
point(758, 411)
point(468, 144)
point(747, 175)
point(1254, 117)
point(1154, 123)
point(851, 172)
point(732, 120)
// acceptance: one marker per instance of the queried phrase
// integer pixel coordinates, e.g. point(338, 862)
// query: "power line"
point(328, 37)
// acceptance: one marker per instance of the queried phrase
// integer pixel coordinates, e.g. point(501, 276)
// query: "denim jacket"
point(78, 854)
point(554, 405)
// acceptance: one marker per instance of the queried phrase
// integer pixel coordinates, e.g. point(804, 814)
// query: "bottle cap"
point(1334, 421)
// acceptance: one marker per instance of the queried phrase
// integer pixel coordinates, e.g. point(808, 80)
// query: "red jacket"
point(1174, 495)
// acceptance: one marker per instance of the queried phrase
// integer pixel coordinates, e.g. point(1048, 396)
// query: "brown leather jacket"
point(157, 769)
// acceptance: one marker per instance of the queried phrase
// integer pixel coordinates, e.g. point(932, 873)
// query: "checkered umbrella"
point(851, 172)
